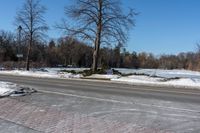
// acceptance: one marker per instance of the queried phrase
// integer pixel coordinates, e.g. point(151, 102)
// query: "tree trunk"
point(98, 38)
point(95, 61)
point(28, 58)
point(28, 55)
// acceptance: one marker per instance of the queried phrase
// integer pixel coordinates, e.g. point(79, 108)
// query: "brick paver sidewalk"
point(54, 121)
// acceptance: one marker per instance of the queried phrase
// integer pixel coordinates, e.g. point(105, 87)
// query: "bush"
point(86, 73)
point(90, 72)
point(69, 71)
point(116, 72)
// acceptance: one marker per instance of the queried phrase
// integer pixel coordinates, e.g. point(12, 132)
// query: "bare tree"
point(30, 17)
point(100, 22)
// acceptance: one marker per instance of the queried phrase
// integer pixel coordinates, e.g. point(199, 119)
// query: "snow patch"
point(5, 88)
point(42, 74)
point(103, 76)
point(10, 89)
point(162, 73)
point(69, 75)
point(147, 80)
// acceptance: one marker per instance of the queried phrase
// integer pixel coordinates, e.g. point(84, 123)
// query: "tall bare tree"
point(100, 22)
point(30, 17)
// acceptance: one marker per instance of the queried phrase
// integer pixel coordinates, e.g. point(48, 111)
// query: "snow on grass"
point(29, 73)
point(42, 74)
point(69, 75)
point(162, 73)
point(154, 81)
point(177, 78)
point(68, 69)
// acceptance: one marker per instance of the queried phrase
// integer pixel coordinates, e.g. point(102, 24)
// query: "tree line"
point(94, 37)
point(95, 22)
point(70, 52)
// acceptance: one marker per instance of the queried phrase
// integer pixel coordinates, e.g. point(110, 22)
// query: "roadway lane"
point(160, 108)
point(104, 87)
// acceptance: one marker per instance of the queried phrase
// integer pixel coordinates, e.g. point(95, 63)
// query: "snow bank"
point(68, 69)
point(5, 89)
point(147, 80)
point(186, 82)
point(10, 89)
point(29, 73)
point(69, 75)
point(103, 76)
point(42, 74)
point(162, 73)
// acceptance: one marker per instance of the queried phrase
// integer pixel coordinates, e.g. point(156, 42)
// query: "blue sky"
point(163, 26)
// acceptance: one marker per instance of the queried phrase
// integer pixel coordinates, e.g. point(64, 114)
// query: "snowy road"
point(135, 108)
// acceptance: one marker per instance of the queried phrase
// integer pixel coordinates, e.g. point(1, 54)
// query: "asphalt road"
point(106, 87)
point(163, 108)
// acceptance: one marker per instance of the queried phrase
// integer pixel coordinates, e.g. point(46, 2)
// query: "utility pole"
point(19, 54)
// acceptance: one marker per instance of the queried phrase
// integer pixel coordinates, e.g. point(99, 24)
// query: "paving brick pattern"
point(50, 120)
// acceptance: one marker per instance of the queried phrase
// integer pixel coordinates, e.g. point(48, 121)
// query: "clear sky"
point(163, 26)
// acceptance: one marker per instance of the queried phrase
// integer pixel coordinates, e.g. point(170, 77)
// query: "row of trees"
point(71, 52)
point(95, 22)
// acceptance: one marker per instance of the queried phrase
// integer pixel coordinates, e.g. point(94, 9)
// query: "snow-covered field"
point(181, 78)
point(155, 81)
point(49, 73)
point(162, 73)
point(176, 78)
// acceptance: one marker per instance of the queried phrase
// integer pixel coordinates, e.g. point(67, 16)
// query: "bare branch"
point(31, 19)
point(98, 22)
